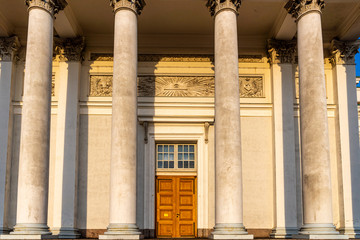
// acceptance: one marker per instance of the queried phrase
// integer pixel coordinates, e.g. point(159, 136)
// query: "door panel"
point(176, 206)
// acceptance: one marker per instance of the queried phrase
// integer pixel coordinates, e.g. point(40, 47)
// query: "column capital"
point(297, 8)
point(69, 49)
point(52, 6)
point(281, 51)
point(343, 52)
point(134, 5)
point(215, 6)
point(8, 48)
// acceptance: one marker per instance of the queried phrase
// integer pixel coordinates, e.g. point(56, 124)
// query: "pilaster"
point(69, 53)
point(343, 60)
point(281, 58)
point(8, 50)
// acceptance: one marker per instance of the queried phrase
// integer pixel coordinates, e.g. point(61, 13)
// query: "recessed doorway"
point(176, 207)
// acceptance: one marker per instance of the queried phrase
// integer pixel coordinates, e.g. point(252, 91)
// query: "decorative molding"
point(251, 86)
point(344, 52)
point(9, 48)
point(69, 49)
point(281, 51)
point(53, 85)
point(134, 5)
point(297, 8)
point(206, 126)
point(177, 86)
point(100, 86)
point(176, 58)
point(215, 6)
point(52, 6)
point(101, 57)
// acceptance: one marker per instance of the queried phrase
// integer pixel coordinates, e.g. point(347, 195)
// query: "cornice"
point(134, 5)
point(52, 6)
point(215, 6)
point(344, 52)
point(297, 8)
point(8, 48)
point(69, 49)
point(280, 51)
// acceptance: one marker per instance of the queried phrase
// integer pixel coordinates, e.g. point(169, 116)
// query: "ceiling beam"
point(66, 25)
point(284, 27)
point(349, 30)
point(6, 29)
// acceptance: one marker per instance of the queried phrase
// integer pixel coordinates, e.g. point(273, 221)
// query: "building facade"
point(225, 119)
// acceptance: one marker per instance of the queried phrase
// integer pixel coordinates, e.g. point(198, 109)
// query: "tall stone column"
point(315, 153)
point(124, 123)
point(8, 49)
point(343, 60)
point(228, 176)
point(69, 53)
point(32, 198)
point(282, 57)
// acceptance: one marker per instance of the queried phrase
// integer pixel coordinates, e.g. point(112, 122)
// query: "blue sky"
point(357, 59)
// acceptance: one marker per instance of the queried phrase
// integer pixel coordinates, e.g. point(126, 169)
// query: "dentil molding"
point(297, 8)
point(52, 6)
point(344, 52)
point(215, 6)
point(8, 48)
point(135, 5)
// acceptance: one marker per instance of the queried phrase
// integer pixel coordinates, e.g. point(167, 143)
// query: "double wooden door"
point(176, 207)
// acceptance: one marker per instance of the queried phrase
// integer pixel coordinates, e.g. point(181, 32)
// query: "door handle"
point(177, 215)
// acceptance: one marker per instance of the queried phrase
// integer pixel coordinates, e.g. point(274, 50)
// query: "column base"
point(351, 232)
point(319, 231)
point(122, 231)
point(5, 230)
point(66, 233)
point(230, 231)
point(283, 232)
point(31, 229)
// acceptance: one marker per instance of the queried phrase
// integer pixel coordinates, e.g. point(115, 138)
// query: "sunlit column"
point(228, 175)
point(124, 123)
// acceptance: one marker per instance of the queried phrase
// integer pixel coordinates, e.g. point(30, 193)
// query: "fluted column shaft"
point(228, 176)
point(315, 152)
point(32, 198)
point(124, 123)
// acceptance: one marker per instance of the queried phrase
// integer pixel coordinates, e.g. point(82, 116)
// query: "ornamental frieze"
point(176, 58)
point(177, 86)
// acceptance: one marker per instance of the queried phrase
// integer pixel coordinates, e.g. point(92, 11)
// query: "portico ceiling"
point(258, 19)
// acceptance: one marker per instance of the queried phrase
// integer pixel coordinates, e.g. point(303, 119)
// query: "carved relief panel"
point(177, 86)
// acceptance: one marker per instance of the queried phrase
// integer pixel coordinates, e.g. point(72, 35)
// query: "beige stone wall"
point(95, 139)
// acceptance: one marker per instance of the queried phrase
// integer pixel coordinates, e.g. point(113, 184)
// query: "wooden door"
point(176, 207)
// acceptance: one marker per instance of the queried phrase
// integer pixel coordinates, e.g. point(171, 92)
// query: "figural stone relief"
point(177, 86)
